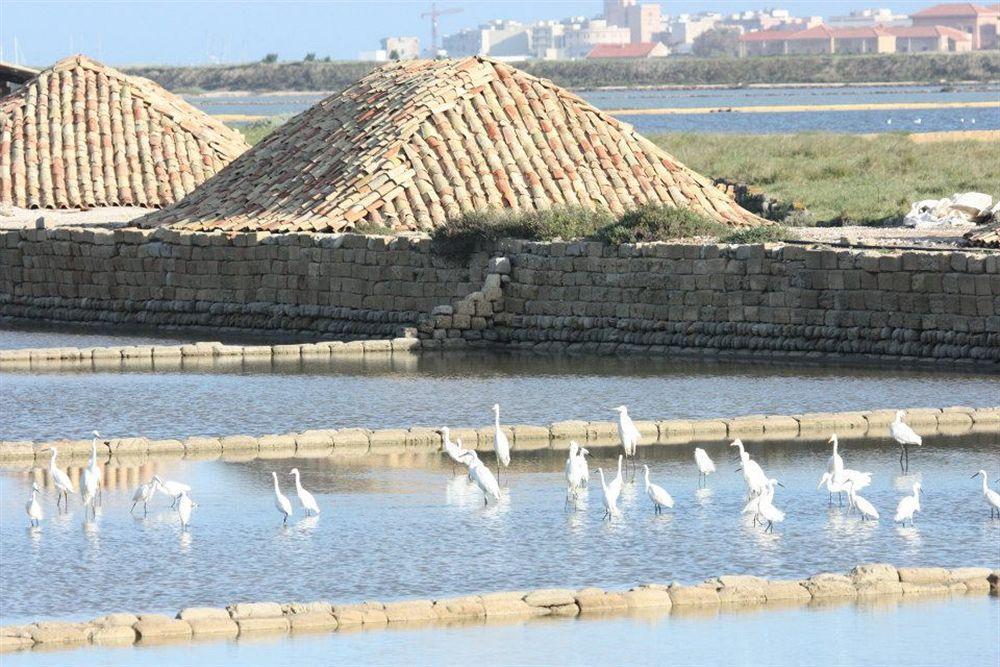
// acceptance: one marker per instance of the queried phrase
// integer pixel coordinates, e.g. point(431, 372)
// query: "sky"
point(187, 32)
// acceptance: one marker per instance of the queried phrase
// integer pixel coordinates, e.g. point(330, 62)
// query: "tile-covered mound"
point(414, 143)
point(82, 134)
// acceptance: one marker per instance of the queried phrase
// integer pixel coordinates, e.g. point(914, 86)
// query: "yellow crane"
point(434, 14)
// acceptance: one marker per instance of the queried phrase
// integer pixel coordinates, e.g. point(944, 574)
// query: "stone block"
point(200, 613)
point(313, 621)
point(214, 627)
point(509, 604)
point(682, 596)
point(410, 611)
point(158, 628)
point(163, 447)
point(239, 443)
point(114, 635)
point(745, 427)
point(708, 429)
point(198, 444)
point(530, 437)
point(461, 607)
point(976, 579)
point(276, 444)
point(243, 610)
point(872, 572)
point(11, 643)
point(58, 632)
point(604, 433)
point(286, 351)
point(911, 588)
point(351, 437)
point(645, 597)
point(265, 625)
point(594, 600)
point(116, 619)
point(924, 575)
point(830, 585)
point(366, 613)
point(786, 591)
point(879, 588)
point(777, 425)
point(550, 597)
point(388, 437)
point(564, 431)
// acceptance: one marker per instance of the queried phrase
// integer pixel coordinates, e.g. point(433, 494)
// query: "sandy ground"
point(101, 216)
point(948, 237)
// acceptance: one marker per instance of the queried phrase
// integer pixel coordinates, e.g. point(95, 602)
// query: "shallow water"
point(208, 398)
point(11, 339)
point(950, 631)
point(398, 526)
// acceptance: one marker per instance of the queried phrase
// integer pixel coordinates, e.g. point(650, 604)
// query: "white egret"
point(753, 474)
point(143, 494)
point(657, 493)
point(629, 435)
point(480, 473)
point(908, 506)
point(577, 473)
point(501, 445)
point(33, 507)
point(453, 450)
point(90, 483)
point(992, 497)
point(833, 486)
point(306, 498)
point(281, 501)
point(609, 497)
point(766, 509)
point(172, 488)
point(62, 482)
point(918, 121)
point(836, 462)
point(617, 483)
point(905, 436)
point(184, 507)
point(581, 456)
point(753, 506)
point(865, 508)
point(706, 466)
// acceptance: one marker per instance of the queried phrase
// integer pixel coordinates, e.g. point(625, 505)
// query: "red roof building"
point(634, 50)
point(878, 39)
point(980, 23)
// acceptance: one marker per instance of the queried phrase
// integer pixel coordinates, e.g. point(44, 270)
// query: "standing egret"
point(306, 498)
point(577, 473)
point(480, 473)
point(706, 466)
point(184, 507)
point(281, 501)
point(865, 508)
point(451, 449)
point(62, 482)
point(616, 484)
point(90, 484)
point(172, 488)
point(833, 486)
point(657, 493)
point(766, 509)
point(501, 445)
point(753, 505)
point(836, 462)
point(143, 494)
point(753, 474)
point(992, 497)
point(629, 435)
point(908, 506)
point(609, 497)
point(581, 462)
point(905, 436)
point(33, 507)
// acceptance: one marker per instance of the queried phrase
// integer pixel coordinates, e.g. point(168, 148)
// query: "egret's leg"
point(145, 508)
point(901, 450)
point(840, 499)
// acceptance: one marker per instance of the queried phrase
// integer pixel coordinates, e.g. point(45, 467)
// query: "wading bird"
point(905, 436)
point(629, 435)
point(992, 497)
point(281, 501)
point(143, 494)
point(33, 507)
point(838, 487)
point(616, 484)
point(305, 498)
point(840, 475)
point(483, 477)
point(865, 508)
point(172, 488)
point(576, 470)
point(454, 451)
point(836, 462)
point(656, 493)
point(184, 507)
point(753, 474)
point(706, 466)
point(62, 482)
point(908, 506)
point(766, 509)
point(500, 443)
point(90, 483)
point(609, 498)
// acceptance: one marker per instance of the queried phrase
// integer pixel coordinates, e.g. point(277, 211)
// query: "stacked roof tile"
point(415, 143)
point(81, 134)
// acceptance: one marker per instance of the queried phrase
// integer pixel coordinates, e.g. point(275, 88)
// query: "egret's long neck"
point(986, 486)
point(52, 461)
point(93, 452)
point(645, 475)
point(276, 489)
point(496, 419)
point(298, 482)
point(603, 485)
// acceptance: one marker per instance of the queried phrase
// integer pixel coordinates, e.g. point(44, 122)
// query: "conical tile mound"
point(415, 143)
point(81, 134)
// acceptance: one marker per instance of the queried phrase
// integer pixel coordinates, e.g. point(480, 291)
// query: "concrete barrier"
point(927, 421)
point(864, 582)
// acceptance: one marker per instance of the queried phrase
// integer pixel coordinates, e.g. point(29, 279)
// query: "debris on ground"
point(967, 208)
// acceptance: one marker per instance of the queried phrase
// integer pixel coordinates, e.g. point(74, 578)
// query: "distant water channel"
point(404, 525)
point(874, 121)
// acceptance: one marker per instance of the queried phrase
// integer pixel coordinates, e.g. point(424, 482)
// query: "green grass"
point(257, 130)
point(843, 179)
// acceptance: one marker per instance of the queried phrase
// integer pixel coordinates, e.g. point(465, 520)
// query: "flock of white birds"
point(837, 479)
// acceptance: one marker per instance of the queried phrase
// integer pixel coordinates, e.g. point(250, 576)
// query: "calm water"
point(435, 389)
point(405, 526)
point(954, 631)
point(934, 120)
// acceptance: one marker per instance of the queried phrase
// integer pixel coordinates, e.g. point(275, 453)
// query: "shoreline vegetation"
point(978, 66)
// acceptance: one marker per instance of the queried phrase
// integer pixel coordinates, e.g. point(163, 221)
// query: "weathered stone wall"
point(590, 297)
point(575, 296)
point(342, 284)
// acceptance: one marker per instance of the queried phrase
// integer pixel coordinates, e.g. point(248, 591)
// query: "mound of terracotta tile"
point(81, 134)
point(415, 143)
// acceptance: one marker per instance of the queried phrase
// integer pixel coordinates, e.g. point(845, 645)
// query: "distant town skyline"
point(187, 32)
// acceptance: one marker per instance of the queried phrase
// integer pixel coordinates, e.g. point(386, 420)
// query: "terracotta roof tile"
point(414, 143)
point(956, 9)
point(81, 134)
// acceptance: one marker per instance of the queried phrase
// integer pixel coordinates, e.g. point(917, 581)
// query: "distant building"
point(869, 18)
point(508, 40)
point(642, 20)
point(682, 30)
point(774, 19)
point(12, 77)
point(981, 23)
point(580, 39)
point(633, 50)
point(823, 39)
point(405, 48)
point(923, 38)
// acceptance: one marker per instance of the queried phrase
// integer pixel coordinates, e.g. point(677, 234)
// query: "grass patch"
point(658, 223)
point(762, 234)
point(842, 179)
point(258, 129)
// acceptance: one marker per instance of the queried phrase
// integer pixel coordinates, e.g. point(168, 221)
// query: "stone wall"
point(578, 296)
point(341, 284)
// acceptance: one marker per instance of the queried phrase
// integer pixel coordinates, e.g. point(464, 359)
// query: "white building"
point(580, 39)
point(869, 18)
point(509, 40)
point(683, 29)
point(404, 48)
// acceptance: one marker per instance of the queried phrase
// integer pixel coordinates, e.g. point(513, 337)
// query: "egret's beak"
point(821, 482)
point(739, 469)
point(974, 476)
point(781, 485)
point(47, 449)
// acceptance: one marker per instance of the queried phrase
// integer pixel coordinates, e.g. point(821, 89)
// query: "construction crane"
point(434, 14)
